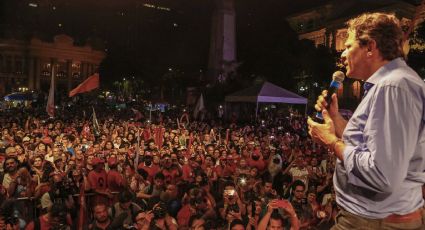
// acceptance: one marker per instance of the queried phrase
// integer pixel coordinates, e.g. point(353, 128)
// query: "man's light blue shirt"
point(384, 158)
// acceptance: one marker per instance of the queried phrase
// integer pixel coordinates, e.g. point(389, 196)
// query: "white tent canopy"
point(266, 93)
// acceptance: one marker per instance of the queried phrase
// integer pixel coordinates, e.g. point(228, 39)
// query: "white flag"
point(136, 160)
point(50, 109)
point(199, 106)
point(96, 127)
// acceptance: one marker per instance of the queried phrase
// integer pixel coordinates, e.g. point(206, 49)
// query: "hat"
point(97, 160)
point(47, 140)
point(112, 161)
point(26, 139)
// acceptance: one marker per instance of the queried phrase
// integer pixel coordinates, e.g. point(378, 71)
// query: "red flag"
point(89, 84)
point(82, 214)
point(138, 114)
point(157, 136)
point(50, 109)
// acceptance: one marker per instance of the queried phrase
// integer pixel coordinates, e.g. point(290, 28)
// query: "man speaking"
point(380, 151)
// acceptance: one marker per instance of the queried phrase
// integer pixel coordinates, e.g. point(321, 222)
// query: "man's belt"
point(394, 218)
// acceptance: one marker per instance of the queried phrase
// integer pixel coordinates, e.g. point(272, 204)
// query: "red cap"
point(96, 161)
point(141, 165)
point(256, 152)
point(112, 161)
point(47, 140)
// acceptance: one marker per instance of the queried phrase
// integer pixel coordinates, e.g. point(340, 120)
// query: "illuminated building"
point(29, 63)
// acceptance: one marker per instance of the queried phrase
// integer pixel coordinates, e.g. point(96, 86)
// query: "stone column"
point(90, 69)
point(83, 70)
point(3, 64)
point(69, 74)
point(31, 76)
point(37, 65)
point(12, 58)
point(222, 53)
point(87, 69)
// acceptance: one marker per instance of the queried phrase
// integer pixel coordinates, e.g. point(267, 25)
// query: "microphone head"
point(338, 76)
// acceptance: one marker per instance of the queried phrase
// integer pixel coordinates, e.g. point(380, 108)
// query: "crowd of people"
point(172, 173)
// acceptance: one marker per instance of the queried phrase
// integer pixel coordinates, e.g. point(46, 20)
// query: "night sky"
point(145, 42)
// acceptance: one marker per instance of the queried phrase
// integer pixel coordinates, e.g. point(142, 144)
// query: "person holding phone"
point(274, 220)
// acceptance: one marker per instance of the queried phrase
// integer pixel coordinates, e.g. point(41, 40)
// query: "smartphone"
point(230, 192)
point(282, 203)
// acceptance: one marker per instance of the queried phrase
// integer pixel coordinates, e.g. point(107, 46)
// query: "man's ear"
point(372, 46)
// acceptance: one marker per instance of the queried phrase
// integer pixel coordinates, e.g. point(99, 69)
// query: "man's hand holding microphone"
point(328, 125)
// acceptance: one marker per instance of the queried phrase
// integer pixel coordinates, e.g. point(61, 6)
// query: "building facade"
point(29, 64)
point(326, 26)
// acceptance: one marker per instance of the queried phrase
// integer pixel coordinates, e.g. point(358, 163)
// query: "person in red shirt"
point(209, 168)
point(115, 180)
point(171, 171)
point(151, 169)
point(98, 181)
point(256, 161)
point(229, 167)
point(187, 171)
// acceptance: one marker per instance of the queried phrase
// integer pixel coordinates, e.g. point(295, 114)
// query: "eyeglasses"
point(299, 190)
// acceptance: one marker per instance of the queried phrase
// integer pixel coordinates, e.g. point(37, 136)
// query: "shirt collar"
point(381, 72)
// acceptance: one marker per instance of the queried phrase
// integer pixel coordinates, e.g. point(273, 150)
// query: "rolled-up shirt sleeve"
point(380, 163)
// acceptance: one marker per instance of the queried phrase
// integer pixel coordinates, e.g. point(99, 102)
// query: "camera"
point(230, 192)
point(84, 148)
point(160, 211)
point(242, 181)
point(233, 208)
point(196, 201)
point(276, 160)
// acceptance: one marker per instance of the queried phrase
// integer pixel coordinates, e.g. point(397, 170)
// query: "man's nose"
point(344, 55)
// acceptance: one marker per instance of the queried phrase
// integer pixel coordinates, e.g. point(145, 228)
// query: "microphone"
point(337, 79)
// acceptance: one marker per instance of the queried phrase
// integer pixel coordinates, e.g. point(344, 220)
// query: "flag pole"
point(136, 160)
point(50, 108)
